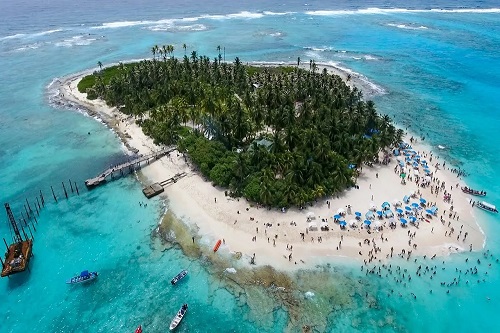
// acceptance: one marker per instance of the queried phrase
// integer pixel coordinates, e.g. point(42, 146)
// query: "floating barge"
point(157, 188)
point(19, 253)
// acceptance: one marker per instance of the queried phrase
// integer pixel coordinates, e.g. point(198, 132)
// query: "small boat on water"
point(138, 329)
point(83, 277)
point(486, 206)
point(179, 277)
point(175, 322)
point(468, 190)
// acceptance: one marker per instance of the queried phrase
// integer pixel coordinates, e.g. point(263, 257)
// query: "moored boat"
point(175, 322)
point(179, 277)
point(138, 329)
point(470, 191)
point(486, 206)
point(83, 277)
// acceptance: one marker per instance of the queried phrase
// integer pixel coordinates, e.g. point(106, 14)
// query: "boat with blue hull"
point(84, 276)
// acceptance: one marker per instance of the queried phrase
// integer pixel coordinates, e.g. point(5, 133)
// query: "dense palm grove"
point(278, 136)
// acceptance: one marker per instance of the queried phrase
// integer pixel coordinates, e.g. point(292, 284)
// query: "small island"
point(278, 136)
point(285, 163)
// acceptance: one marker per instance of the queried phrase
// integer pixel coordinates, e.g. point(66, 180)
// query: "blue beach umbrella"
point(386, 204)
point(428, 211)
point(412, 218)
point(379, 213)
point(407, 208)
point(336, 217)
point(423, 201)
point(358, 214)
point(403, 221)
point(342, 223)
point(368, 222)
point(399, 210)
point(414, 205)
point(369, 215)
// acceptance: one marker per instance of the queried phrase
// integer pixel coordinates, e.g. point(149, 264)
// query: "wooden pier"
point(157, 188)
point(131, 165)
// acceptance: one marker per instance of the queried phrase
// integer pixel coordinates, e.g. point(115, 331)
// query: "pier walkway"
point(130, 165)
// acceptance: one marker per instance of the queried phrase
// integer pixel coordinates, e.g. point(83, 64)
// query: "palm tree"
point(298, 61)
point(184, 47)
point(100, 66)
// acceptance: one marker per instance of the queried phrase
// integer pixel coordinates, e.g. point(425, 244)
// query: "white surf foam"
point(75, 41)
point(407, 27)
point(175, 28)
point(382, 11)
point(31, 35)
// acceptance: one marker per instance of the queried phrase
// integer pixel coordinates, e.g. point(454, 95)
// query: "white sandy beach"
point(204, 207)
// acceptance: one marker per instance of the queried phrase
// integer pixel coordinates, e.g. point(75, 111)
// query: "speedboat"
point(179, 277)
point(138, 329)
point(468, 190)
point(175, 322)
point(486, 206)
point(83, 277)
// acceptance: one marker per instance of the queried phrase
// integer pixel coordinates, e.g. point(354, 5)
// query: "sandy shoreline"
point(206, 209)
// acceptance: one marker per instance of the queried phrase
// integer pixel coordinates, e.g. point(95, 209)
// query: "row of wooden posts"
point(29, 214)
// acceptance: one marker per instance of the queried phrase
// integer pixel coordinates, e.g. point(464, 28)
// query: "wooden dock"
point(131, 165)
point(157, 188)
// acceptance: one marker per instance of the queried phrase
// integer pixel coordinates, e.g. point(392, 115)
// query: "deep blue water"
point(440, 74)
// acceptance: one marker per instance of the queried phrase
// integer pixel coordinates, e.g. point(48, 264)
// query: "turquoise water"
point(439, 72)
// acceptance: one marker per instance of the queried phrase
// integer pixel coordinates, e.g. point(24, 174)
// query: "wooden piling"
point(37, 211)
point(41, 198)
point(29, 228)
point(24, 233)
point(71, 185)
point(53, 194)
point(64, 188)
point(22, 215)
point(31, 210)
point(35, 219)
point(76, 187)
point(38, 202)
point(6, 244)
point(27, 213)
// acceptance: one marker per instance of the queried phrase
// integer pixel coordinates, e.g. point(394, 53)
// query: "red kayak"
point(217, 245)
point(138, 329)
